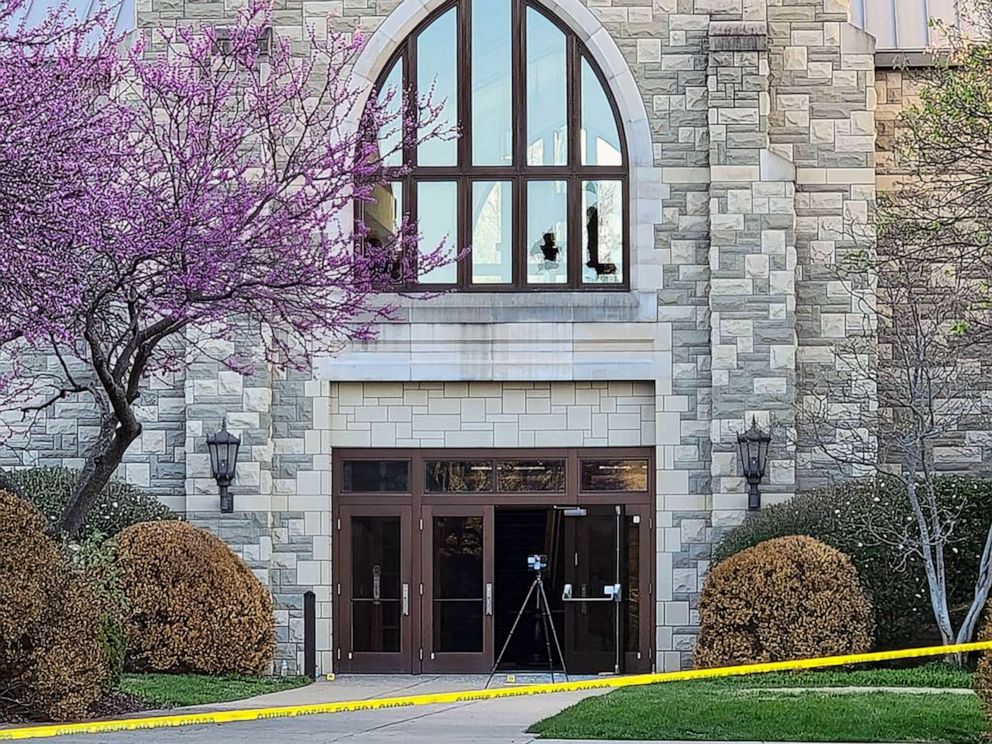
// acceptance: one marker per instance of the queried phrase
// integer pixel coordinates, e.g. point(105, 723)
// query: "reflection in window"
point(437, 59)
point(547, 112)
point(530, 183)
point(547, 232)
point(458, 586)
point(531, 475)
point(376, 476)
point(437, 202)
point(600, 140)
point(391, 99)
point(458, 477)
point(492, 83)
point(492, 232)
point(615, 475)
point(383, 217)
point(602, 232)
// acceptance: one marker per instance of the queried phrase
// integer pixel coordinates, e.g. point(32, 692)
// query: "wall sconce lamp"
point(223, 448)
point(753, 448)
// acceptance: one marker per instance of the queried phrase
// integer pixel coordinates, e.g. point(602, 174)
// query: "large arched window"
point(536, 184)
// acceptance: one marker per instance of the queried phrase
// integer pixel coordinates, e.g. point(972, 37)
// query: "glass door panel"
point(457, 574)
point(375, 587)
point(595, 580)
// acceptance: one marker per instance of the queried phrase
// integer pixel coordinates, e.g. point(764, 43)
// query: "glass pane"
point(602, 232)
point(596, 568)
point(547, 232)
point(375, 567)
point(459, 477)
point(547, 117)
point(375, 627)
point(458, 626)
point(492, 232)
point(437, 217)
point(599, 136)
point(615, 475)
point(458, 584)
point(391, 99)
point(458, 557)
point(492, 83)
point(383, 216)
point(376, 476)
point(437, 57)
point(533, 475)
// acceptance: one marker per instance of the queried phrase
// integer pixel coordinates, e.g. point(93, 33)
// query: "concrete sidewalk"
point(502, 721)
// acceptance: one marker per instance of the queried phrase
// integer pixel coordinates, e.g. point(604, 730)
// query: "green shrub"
point(868, 520)
point(788, 598)
point(192, 604)
point(113, 644)
point(51, 660)
point(120, 504)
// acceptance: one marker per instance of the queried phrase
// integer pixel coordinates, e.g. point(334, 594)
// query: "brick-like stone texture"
point(751, 133)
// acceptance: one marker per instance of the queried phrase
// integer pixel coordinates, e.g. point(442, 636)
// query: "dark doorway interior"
point(519, 533)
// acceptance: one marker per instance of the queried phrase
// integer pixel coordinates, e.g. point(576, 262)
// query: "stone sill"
point(529, 307)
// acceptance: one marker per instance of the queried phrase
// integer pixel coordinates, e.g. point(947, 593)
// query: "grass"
point(170, 690)
point(738, 709)
point(937, 675)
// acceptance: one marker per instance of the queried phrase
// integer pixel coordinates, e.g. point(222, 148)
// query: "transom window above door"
point(536, 184)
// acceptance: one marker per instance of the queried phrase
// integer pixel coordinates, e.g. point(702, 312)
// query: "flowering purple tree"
point(219, 202)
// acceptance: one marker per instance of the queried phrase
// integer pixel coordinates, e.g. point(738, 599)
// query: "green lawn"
point(169, 690)
point(747, 709)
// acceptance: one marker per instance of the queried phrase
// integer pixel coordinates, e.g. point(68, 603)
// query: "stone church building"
point(656, 193)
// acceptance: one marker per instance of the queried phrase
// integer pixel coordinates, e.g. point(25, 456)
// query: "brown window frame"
point(519, 173)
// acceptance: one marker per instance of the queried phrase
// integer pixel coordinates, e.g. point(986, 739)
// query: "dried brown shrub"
point(51, 662)
point(983, 675)
point(192, 604)
point(787, 598)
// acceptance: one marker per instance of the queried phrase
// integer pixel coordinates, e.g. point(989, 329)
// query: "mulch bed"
point(112, 705)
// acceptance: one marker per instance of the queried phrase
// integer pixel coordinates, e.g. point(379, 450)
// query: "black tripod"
point(536, 589)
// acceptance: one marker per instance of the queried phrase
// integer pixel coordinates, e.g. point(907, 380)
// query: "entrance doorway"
point(429, 575)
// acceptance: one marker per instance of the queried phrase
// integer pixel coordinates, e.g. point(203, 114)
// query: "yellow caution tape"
point(351, 706)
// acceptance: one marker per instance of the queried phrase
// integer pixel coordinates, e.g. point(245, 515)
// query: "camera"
point(537, 562)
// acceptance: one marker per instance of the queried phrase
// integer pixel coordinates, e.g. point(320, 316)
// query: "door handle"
point(406, 599)
point(489, 599)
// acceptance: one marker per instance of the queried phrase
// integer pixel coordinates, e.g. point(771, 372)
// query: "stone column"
point(822, 119)
point(752, 265)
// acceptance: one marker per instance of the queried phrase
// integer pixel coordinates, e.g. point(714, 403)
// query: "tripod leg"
point(509, 636)
point(542, 606)
point(554, 633)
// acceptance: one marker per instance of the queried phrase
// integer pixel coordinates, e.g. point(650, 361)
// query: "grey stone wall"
point(751, 129)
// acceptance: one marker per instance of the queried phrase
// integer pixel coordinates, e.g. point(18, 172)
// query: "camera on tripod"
point(537, 562)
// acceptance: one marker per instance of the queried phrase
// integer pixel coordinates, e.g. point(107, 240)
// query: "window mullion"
point(574, 219)
point(463, 81)
point(519, 94)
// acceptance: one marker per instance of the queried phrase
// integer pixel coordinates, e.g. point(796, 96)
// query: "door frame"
point(457, 662)
point(641, 503)
point(364, 661)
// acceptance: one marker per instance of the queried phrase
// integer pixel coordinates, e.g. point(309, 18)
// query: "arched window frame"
point(519, 173)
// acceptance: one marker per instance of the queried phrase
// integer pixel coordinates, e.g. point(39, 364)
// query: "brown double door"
point(431, 585)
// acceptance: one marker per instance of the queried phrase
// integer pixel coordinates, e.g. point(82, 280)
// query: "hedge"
point(120, 504)
point(787, 598)
point(51, 657)
point(192, 605)
point(865, 519)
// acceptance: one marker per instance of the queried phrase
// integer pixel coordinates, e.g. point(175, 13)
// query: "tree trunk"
point(983, 586)
point(102, 460)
